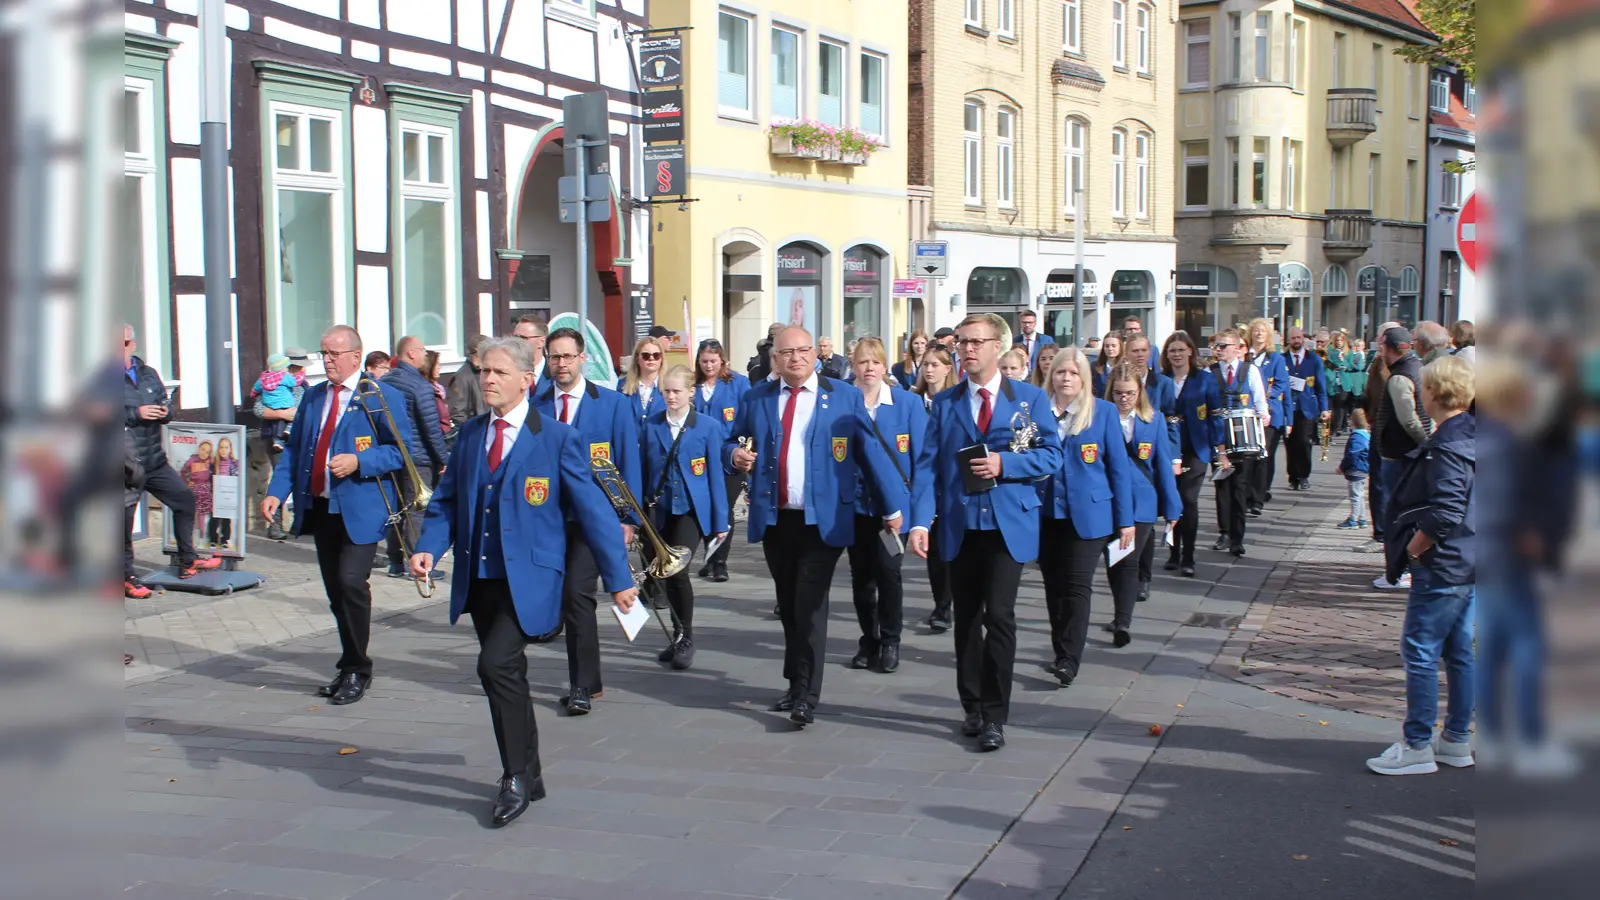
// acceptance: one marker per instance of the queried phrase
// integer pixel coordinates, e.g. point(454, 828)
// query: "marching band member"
point(1242, 387)
point(1308, 402)
point(900, 426)
point(811, 434)
point(642, 383)
point(938, 373)
point(717, 389)
point(1155, 489)
point(1086, 499)
point(905, 372)
point(513, 475)
point(332, 463)
point(986, 535)
point(1198, 398)
point(1161, 391)
point(609, 427)
point(683, 472)
point(1263, 353)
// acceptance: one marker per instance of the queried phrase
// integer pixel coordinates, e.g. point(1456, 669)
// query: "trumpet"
point(667, 561)
point(421, 493)
point(1024, 431)
point(1327, 438)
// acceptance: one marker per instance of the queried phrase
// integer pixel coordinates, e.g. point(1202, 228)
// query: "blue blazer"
point(360, 498)
point(1014, 500)
point(1275, 375)
point(547, 480)
point(839, 444)
point(1313, 401)
point(1155, 489)
point(724, 402)
point(1200, 430)
point(699, 464)
point(1039, 340)
point(1163, 394)
point(903, 426)
point(902, 376)
point(608, 424)
point(1093, 485)
point(640, 408)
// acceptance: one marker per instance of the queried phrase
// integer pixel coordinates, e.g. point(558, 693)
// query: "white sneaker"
point(1456, 754)
point(1400, 759)
point(1382, 583)
point(1371, 546)
point(1546, 761)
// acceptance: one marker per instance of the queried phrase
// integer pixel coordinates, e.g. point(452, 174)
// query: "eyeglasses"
point(974, 343)
point(792, 352)
point(335, 354)
point(1126, 395)
point(564, 357)
point(650, 356)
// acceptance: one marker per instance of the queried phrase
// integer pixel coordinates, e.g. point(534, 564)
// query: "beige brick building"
point(1014, 103)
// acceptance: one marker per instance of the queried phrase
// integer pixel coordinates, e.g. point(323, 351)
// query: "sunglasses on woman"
point(650, 355)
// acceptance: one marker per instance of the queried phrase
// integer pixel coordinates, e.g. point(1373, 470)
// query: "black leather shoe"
point(719, 572)
point(972, 725)
point(683, 654)
point(802, 714)
point(705, 570)
point(1253, 512)
point(397, 569)
point(577, 702)
point(274, 533)
point(1171, 564)
point(516, 792)
point(888, 658)
point(1108, 628)
point(784, 704)
point(1120, 638)
point(1237, 549)
point(1267, 498)
point(548, 636)
point(328, 689)
point(862, 659)
point(352, 687)
point(939, 623)
point(1221, 544)
point(994, 737)
point(1187, 571)
point(666, 655)
point(1062, 673)
point(1144, 591)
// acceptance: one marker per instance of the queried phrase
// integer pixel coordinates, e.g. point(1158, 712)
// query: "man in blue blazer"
point(811, 437)
point(1162, 391)
point(334, 465)
point(1308, 404)
point(514, 480)
point(608, 424)
point(986, 535)
point(1029, 339)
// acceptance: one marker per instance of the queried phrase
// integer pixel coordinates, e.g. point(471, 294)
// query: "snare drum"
point(1243, 434)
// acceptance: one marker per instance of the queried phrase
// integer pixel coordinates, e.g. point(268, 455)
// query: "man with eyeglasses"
point(609, 429)
point(987, 534)
point(811, 437)
point(534, 331)
point(1242, 388)
point(339, 450)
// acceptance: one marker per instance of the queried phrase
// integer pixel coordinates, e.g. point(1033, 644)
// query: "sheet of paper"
point(715, 543)
point(1172, 528)
point(1115, 553)
point(1221, 474)
point(1296, 383)
point(634, 619)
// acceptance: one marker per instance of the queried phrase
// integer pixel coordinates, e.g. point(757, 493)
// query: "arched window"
point(799, 298)
point(1077, 138)
point(864, 273)
point(1294, 278)
point(1335, 282)
point(1409, 283)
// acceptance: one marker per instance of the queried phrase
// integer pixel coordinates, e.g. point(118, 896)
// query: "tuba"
point(421, 493)
point(667, 561)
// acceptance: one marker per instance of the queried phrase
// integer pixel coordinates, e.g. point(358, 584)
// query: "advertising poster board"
point(210, 459)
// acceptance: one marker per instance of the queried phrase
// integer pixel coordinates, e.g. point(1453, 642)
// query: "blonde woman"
point(936, 373)
point(1263, 351)
point(640, 383)
point(1110, 355)
point(1086, 502)
point(1155, 491)
point(1014, 364)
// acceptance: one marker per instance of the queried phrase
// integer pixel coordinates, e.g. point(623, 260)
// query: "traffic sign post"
point(930, 259)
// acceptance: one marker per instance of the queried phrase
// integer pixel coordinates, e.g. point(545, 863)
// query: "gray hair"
point(1430, 336)
point(345, 331)
point(521, 354)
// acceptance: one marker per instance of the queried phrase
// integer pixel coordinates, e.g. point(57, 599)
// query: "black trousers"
point(1233, 499)
point(1300, 441)
point(939, 575)
point(413, 519)
point(984, 579)
point(345, 566)
point(1125, 576)
point(875, 586)
point(1147, 553)
point(735, 484)
point(802, 568)
point(1266, 467)
point(579, 600)
point(1189, 482)
point(680, 531)
point(503, 672)
point(1341, 404)
point(1067, 563)
point(164, 484)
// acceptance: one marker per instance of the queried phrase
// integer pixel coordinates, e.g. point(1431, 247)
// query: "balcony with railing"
point(1346, 233)
point(1352, 115)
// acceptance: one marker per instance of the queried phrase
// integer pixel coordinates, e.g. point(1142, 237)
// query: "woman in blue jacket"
point(684, 493)
point(905, 371)
point(717, 391)
point(1274, 372)
point(1199, 433)
point(1155, 492)
point(642, 382)
point(1087, 501)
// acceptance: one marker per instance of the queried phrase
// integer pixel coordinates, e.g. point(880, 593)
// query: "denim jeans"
point(1513, 648)
point(1386, 479)
point(1438, 624)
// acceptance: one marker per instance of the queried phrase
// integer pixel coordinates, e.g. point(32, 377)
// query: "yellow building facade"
point(1302, 163)
point(784, 225)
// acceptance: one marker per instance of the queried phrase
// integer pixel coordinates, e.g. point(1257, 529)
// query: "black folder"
point(972, 483)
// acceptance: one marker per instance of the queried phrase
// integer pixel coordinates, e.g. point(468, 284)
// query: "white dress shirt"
point(514, 422)
point(1064, 417)
point(707, 389)
point(645, 390)
point(346, 396)
point(577, 391)
point(885, 397)
point(676, 425)
point(1257, 390)
point(1127, 427)
point(977, 401)
point(804, 408)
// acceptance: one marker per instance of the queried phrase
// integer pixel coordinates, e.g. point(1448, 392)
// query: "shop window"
point(863, 295)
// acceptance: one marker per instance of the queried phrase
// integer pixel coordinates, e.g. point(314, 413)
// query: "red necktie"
point(319, 463)
point(1230, 376)
point(497, 448)
point(985, 412)
point(566, 408)
point(783, 449)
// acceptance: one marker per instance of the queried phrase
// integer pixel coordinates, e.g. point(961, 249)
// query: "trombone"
point(421, 493)
point(667, 561)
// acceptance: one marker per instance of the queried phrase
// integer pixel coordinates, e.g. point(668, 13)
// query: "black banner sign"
point(661, 61)
point(662, 113)
point(666, 170)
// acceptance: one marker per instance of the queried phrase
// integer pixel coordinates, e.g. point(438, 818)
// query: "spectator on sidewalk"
point(1402, 426)
point(760, 366)
point(1355, 469)
point(430, 371)
point(422, 410)
point(1434, 537)
point(464, 395)
point(1463, 341)
point(298, 360)
point(377, 364)
point(1377, 380)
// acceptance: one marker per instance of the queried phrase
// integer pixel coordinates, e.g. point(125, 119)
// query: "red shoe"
point(135, 591)
point(201, 565)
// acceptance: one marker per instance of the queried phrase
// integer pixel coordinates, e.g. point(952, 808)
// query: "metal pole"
point(1077, 267)
point(578, 147)
point(214, 209)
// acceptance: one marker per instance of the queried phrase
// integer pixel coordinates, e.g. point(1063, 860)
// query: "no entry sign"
point(1467, 234)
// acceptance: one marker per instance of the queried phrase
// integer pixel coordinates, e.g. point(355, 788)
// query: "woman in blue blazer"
point(1199, 433)
point(717, 391)
point(1155, 492)
point(684, 493)
point(642, 383)
point(905, 371)
point(1084, 503)
point(1268, 360)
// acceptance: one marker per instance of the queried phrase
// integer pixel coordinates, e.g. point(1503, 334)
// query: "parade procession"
point(915, 449)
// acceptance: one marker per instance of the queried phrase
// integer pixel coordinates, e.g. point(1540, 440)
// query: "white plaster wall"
point(616, 64)
point(486, 323)
point(187, 223)
point(372, 307)
point(329, 8)
point(524, 32)
point(518, 142)
point(307, 37)
point(193, 352)
point(370, 131)
point(183, 85)
point(480, 135)
point(571, 50)
point(365, 12)
point(497, 15)
point(423, 62)
point(428, 19)
point(469, 25)
point(485, 264)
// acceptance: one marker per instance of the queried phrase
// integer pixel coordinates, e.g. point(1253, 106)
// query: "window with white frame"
point(1263, 48)
point(1119, 140)
point(1295, 35)
point(972, 12)
point(1258, 172)
point(1469, 98)
point(1076, 140)
point(581, 7)
point(1005, 138)
point(1335, 281)
point(1450, 189)
point(972, 153)
point(141, 295)
point(1119, 33)
point(734, 94)
point(1235, 47)
point(1233, 172)
point(1141, 38)
point(1141, 176)
point(1439, 92)
point(307, 249)
point(787, 66)
point(830, 83)
point(1291, 173)
point(871, 118)
point(1072, 26)
point(1196, 175)
point(1197, 50)
point(1005, 17)
point(428, 296)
